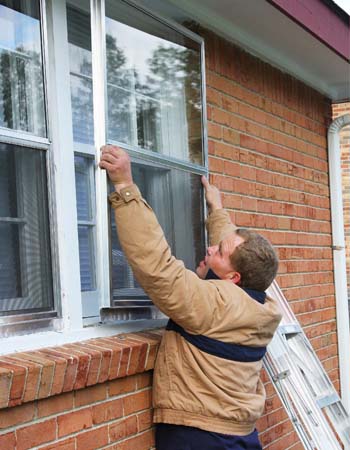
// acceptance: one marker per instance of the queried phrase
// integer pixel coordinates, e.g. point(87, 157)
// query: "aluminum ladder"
point(306, 392)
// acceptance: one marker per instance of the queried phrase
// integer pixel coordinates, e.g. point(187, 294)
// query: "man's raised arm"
point(177, 291)
point(218, 224)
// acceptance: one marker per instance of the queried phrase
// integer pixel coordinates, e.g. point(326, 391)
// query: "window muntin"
point(25, 258)
point(22, 105)
point(153, 85)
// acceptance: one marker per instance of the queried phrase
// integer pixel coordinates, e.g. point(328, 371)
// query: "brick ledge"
point(33, 375)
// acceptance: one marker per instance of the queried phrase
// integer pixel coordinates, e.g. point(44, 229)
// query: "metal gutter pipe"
point(339, 255)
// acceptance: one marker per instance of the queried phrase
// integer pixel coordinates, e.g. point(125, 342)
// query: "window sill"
point(92, 330)
point(32, 375)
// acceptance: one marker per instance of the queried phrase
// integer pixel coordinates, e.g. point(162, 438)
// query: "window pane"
point(26, 279)
point(22, 105)
point(153, 85)
point(10, 280)
point(79, 38)
point(87, 279)
point(175, 196)
point(83, 176)
point(85, 193)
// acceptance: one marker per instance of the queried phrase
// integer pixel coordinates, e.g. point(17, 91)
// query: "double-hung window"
point(154, 101)
point(26, 288)
point(152, 105)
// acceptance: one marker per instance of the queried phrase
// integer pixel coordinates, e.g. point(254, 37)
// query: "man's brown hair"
point(255, 259)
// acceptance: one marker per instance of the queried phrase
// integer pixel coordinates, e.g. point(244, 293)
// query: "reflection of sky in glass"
point(138, 46)
point(19, 31)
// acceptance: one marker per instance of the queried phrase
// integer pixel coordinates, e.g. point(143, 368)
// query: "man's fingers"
point(109, 157)
point(112, 149)
point(106, 165)
point(205, 182)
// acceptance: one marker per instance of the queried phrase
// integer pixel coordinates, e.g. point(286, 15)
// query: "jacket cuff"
point(125, 195)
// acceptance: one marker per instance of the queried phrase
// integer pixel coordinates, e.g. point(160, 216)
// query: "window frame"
point(98, 38)
point(17, 324)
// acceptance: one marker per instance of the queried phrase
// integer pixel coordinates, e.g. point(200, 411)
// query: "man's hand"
point(117, 163)
point(212, 195)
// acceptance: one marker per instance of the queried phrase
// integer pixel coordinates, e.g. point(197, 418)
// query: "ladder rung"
point(327, 400)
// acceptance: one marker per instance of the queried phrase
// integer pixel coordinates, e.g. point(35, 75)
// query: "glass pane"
point(175, 196)
point(22, 105)
point(87, 277)
point(83, 175)
point(10, 280)
point(161, 71)
point(8, 189)
point(121, 125)
point(85, 193)
point(79, 38)
point(25, 256)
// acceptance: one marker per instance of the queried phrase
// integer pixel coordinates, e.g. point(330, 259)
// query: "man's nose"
point(210, 250)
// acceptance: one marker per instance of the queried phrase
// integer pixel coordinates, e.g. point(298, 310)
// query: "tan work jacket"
point(192, 387)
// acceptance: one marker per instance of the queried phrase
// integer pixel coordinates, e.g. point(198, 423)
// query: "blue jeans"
point(179, 437)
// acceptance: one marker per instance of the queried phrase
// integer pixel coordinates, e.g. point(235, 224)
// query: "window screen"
point(25, 261)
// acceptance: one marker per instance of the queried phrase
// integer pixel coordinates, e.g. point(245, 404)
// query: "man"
point(207, 394)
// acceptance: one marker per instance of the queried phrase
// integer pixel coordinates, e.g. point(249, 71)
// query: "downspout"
point(339, 255)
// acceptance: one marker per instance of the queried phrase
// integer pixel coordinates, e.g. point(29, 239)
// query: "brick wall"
point(339, 110)
point(267, 152)
point(85, 396)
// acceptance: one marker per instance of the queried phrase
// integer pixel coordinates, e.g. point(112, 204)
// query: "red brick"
point(122, 429)
point(5, 386)
point(116, 355)
point(142, 441)
point(7, 441)
point(17, 415)
point(74, 421)
point(90, 369)
point(59, 372)
point(144, 420)
point(137, 402)
point(121, 386)
point(91, 440)
point(36, 434)
point(32, 379)
point(47, 371)
point(18, 382)
point(72, 364)
point(56, 404)
point(107, 411)
point(90, 395)
point(125, 357)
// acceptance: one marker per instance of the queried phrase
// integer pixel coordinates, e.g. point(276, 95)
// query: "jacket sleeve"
point(177, 291)
point(219, 226)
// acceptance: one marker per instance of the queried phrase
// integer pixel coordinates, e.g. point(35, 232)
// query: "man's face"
point(218, 258)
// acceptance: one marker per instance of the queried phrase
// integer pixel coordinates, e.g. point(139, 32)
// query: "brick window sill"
point(34, 375)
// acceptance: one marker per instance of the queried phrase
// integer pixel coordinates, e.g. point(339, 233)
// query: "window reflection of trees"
point(21, 91)
point(144, 113)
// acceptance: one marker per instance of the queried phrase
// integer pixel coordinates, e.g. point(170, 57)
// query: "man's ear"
point(236, 277)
